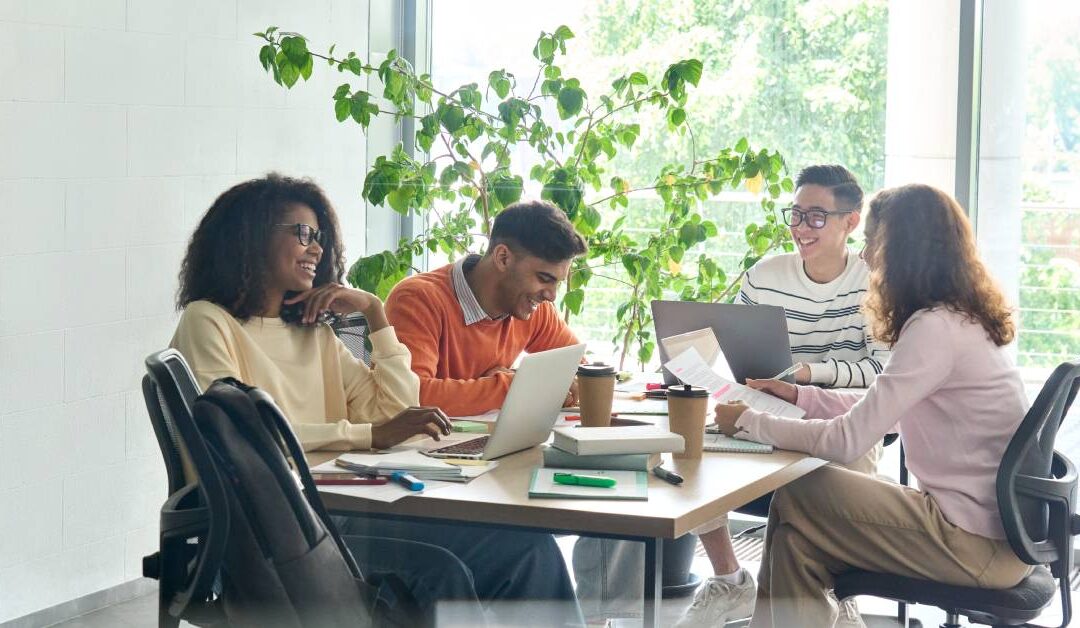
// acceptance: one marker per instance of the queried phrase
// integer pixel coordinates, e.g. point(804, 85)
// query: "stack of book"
point(559, 459)
point(624, 454)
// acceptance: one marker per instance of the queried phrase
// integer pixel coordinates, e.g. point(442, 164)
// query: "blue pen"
point(408, 481)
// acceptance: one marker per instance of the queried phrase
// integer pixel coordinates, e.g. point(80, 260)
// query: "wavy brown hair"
point(228, 256)
point(921, 251)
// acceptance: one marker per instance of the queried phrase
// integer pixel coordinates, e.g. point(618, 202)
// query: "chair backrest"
point(169, 390)
point(1036, 486)
point(353, 330)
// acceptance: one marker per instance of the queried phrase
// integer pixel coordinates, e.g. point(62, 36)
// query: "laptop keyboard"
point(471, 447)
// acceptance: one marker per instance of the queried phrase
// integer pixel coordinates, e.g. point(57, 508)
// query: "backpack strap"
point(236, 401)
point(268, 409)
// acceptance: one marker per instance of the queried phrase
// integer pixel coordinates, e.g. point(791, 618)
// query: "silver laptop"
point(754, 338)
point(531, 408)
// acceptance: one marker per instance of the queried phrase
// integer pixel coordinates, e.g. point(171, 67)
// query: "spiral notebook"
point(726, 444)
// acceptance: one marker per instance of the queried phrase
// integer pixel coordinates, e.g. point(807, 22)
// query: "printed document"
point(691, 369)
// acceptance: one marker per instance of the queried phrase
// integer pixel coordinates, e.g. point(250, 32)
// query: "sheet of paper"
point(691, 369)
point(705, 343)
point(468, 471)
point(398, 458)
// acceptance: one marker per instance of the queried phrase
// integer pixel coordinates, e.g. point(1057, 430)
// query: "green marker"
point(598, 481)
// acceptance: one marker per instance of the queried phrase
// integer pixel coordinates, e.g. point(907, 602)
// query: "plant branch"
point(630, 327)
point(620, 108)
point(412, 77)
point(693, 148)
point(626, 193)
point(615, 279)
point(584, 140)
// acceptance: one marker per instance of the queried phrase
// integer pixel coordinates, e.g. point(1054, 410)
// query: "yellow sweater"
point(330, 398)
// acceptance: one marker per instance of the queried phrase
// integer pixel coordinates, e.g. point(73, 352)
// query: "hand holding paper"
point(692, 369)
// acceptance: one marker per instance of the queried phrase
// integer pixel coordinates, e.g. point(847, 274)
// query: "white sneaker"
point(849, 616)
point(717, 602)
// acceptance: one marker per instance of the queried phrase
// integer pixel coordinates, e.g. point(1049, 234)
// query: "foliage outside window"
point(471, 176)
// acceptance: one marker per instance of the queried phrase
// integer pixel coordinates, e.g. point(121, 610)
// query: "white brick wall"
point(120, 122)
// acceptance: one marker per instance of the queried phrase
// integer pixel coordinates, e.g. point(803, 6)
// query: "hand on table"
point(727, 414)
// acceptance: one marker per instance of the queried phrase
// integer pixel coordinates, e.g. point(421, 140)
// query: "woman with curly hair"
point(950, 389)
point(262, 268)
point(262, 271)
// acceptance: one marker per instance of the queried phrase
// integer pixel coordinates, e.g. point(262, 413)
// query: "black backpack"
point(285, 564)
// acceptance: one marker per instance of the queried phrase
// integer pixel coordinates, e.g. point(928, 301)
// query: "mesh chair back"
point(169, 390)
point(353, 330)
point(194, 520)
point(1036, 487)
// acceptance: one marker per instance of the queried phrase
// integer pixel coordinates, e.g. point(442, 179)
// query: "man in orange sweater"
point(466, 323)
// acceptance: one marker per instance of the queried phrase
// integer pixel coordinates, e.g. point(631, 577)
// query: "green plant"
point(470, 175)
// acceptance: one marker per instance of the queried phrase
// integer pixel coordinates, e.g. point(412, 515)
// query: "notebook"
point(632, 485)
point(555, 457)
point(726, 444)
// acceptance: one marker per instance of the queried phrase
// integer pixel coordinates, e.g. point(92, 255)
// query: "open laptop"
point(531, 408)
point(754, 338)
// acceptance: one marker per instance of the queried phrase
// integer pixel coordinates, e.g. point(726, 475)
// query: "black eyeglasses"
point(814, 218)
point(306, 234)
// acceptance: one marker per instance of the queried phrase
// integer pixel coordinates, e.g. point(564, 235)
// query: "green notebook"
point(628, 485)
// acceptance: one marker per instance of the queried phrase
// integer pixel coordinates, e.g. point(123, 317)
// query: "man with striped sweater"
point(821, 287)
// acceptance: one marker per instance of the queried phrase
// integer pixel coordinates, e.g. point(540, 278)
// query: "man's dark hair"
point(228, 256)
point(540, 229)
point(838, 180)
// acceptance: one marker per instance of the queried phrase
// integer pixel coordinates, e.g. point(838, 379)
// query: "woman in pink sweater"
point(951, 391)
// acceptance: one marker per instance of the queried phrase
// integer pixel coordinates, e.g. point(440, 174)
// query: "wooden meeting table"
point(714, 485)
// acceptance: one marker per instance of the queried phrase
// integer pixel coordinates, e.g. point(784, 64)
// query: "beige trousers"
point(867, 463)
point(833, 520)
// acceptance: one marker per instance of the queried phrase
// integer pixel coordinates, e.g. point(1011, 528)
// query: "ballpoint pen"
point(668, 476)
point(788, 371)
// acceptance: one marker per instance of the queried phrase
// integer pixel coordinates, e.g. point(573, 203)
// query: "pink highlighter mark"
point(723, 389)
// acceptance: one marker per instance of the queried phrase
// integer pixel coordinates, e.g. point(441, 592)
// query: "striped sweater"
point(826, 327)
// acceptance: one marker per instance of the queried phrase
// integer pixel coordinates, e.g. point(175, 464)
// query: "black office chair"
point(191, 542)
point(352, 329)
point(1036, 491)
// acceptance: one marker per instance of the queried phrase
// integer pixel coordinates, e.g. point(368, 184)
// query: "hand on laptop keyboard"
point(410, 422)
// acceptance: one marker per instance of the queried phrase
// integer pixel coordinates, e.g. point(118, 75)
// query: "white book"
point(632, 439)
point(396, 459)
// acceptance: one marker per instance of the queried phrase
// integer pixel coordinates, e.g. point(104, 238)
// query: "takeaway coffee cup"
point(687, 406)
point(596, 387)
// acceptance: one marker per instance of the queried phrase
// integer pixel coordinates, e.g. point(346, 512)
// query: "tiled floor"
point(141, 612)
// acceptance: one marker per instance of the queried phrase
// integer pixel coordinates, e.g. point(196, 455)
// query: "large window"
point(806, 78)
point(1029, 180)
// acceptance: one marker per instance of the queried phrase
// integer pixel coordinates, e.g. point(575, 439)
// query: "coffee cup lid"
point(596, 369)
point(686, 390)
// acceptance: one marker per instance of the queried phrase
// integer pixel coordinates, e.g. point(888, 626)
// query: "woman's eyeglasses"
point(306, 234)
point(814, 218)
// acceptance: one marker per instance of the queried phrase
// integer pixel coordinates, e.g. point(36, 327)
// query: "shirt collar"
point(470, 307)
